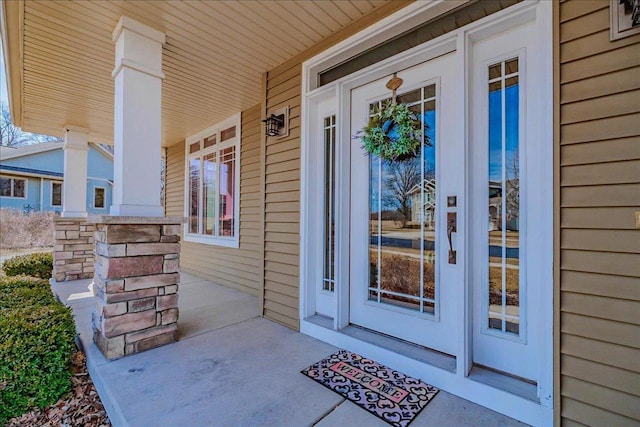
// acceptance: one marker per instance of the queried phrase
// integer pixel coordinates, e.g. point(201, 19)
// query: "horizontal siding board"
point(276, 316)
point(602, 195)
point(627, 172)
point(601, 262)
point(593, 44)
point(277, 286)
point(602, 240)
point(597, 373)
point(601, 129)
point(289, 281)
point(593, 22)
point(292, 218)
point(279, 267)
point(620, 310)
point(276, 79)
point(621, 287)
point(575, 9)
point(600, 152)
point(609, 62)
point(609, 354)
point(602, 217)
point(289, 196)
point(283, 299)
point(289, 311)
point(602, 107)
point(283, 207)
point(602, 85)
point(602, 329)
point(287, 165)
point(602, 397)
point(283, 153)
point(286, 85)
point(286, 186)
point(592, 415)
point(292, 238)
point(290, 259)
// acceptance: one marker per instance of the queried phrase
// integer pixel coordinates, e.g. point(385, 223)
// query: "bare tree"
point(513, 188)
point(13, 136)
point(400, 179)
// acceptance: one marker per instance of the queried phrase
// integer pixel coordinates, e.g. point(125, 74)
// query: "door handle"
point(452, 227)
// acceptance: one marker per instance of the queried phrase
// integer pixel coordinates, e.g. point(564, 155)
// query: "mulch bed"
point(81, 407)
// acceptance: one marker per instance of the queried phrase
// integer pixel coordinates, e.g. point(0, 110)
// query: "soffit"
point(213, 59)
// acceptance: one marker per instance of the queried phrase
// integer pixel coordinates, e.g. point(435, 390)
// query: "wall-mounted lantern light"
point(277, 124)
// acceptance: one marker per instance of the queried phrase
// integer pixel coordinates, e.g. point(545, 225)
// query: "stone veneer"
point(135, 283)
point(73, 249)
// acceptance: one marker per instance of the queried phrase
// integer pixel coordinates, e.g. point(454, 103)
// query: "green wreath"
point(394, 133)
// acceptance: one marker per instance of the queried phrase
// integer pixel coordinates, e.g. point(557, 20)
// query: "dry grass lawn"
point(25, 231)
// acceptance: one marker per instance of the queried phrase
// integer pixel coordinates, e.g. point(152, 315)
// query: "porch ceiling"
point(60, 56)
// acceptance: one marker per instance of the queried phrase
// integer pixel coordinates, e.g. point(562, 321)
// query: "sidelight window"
point(504, 197)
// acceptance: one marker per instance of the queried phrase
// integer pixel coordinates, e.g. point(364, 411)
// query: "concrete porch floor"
point(231, 367)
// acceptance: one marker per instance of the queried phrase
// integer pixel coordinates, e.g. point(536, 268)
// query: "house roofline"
point(11, 30)
point(20, 171)
point(28, 150)
point(43, 147)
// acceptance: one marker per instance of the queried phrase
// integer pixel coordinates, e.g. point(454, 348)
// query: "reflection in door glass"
point(328, 277)
point(402, 217)
point(504, 198)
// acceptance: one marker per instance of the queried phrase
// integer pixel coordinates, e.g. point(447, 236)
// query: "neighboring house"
point(425, 196)
point(546, 89)
point(32, 179)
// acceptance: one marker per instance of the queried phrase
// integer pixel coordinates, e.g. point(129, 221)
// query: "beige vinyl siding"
point(599, 246)
point(282, 180)
point(236, 268)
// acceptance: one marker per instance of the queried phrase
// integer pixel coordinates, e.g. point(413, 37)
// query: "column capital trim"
point(126, 23)
point(127, 63)
point(74, 128)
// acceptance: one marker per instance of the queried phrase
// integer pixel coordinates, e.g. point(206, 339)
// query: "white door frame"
point(536, 413)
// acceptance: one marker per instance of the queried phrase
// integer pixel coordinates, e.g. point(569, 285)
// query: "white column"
point(74, 189)
point(137, 119)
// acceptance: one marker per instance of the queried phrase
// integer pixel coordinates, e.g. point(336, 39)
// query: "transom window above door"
point(212, 189)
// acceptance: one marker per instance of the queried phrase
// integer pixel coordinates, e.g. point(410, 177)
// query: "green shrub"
point(23, 291)
point(36, 265)
point(36, 343)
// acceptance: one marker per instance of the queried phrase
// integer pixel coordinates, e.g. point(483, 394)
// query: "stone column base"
point(73, 249)
point(135, 283)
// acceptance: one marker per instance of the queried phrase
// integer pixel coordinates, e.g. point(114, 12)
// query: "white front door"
point(400, 281)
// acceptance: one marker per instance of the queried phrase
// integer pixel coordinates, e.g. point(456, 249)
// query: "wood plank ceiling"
point(213, 59)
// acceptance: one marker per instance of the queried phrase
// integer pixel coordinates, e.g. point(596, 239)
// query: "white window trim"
point(51, 194)
point(229, 242)
point(104, 198)
point(26, 187)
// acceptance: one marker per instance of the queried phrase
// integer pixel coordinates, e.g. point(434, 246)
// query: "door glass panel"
point(504, 198)
point(402, 226)
point(328, 280)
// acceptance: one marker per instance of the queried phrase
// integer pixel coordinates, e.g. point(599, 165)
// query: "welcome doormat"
point(390, 395)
